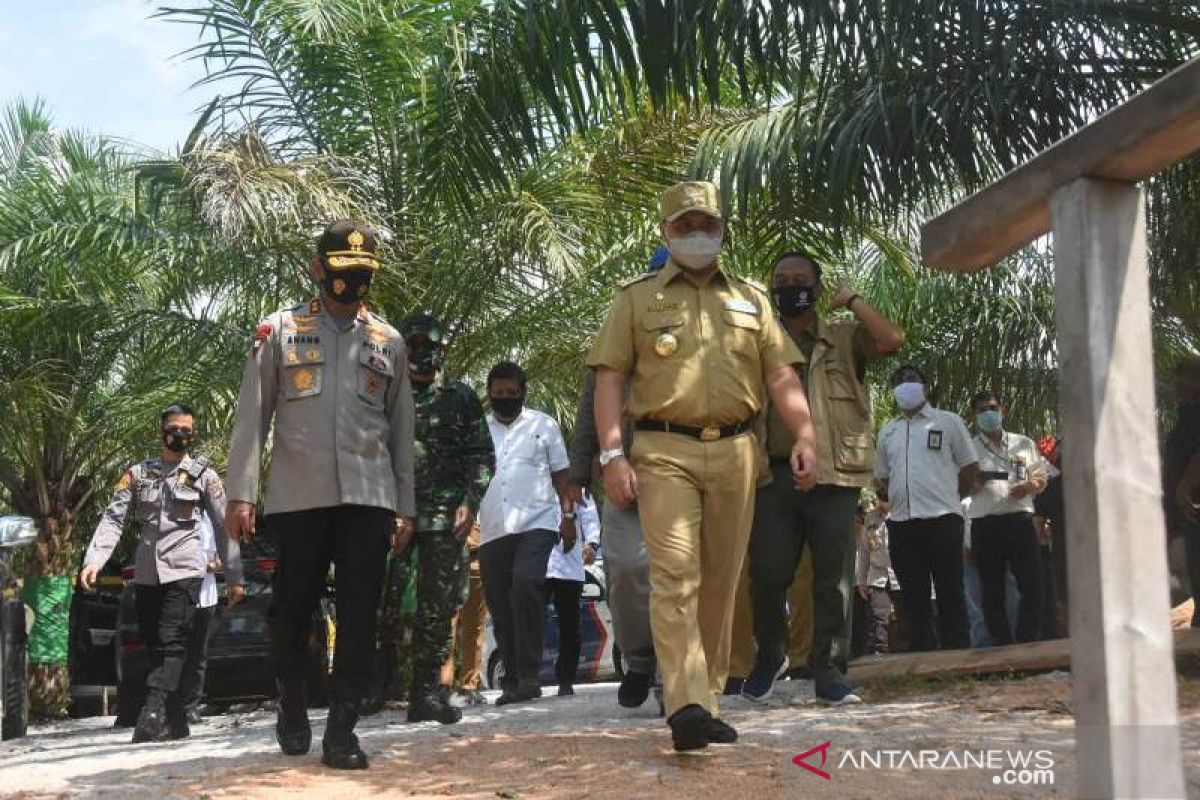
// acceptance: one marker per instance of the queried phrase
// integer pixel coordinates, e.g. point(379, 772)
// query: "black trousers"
point(354, 539)
point(1001, 543)
point(191, 683)
point(925, 550)
point(565, 595)
point(165, 612)
point(513, 569)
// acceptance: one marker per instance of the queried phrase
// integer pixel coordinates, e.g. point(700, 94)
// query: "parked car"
point(599, 655)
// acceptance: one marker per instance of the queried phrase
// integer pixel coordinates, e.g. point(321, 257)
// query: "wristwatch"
point(608, 455)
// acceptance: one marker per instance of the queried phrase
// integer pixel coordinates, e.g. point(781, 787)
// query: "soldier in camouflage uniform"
point(453, 465)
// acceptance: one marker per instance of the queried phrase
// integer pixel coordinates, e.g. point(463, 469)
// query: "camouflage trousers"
point(438, 564)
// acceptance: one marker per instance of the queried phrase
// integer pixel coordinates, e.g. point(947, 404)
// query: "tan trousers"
point(800, 624)
point(696, 503)
point(467, 635)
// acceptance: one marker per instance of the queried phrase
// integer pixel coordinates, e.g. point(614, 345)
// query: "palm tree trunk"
point(48, 586)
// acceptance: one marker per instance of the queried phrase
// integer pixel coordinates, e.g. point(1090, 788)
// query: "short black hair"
point(175, 408)
point(784, 256)
point(908, 368)
point(985, 396)
point(506, 370)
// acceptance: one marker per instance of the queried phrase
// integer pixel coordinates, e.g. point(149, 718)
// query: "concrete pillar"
point(1122, 658)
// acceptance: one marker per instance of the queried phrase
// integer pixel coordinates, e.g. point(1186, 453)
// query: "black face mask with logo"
point(507, 407)
point(175, 441)
point(348, 285)
point(794, 300)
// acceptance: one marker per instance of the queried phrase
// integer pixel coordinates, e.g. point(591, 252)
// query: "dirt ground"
point(585, 746)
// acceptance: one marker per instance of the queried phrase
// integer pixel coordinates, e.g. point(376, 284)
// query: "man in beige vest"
point(701, 352)
point(785, 519)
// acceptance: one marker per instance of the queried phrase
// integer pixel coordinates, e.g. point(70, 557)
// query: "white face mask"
point(696, 249)
point(909, 396)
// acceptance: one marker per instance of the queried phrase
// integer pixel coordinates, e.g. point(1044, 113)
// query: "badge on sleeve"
point(935, 440)
point(261, 334)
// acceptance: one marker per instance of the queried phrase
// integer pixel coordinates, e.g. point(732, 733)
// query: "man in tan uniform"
point(701, 352)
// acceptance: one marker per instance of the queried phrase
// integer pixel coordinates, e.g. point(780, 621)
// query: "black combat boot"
point(177, 720)
point(292, 730)
point(340, 748)
point(427, 705)
point(152, 721)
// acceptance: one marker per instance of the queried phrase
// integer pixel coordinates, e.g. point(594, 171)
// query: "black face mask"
point(795, 299)
point(426, 360)
point(175, 442)
point(507, 407)
point(348, 285)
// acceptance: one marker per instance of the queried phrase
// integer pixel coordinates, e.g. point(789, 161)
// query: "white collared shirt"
point(1012, 454)
point(208, 544)
point(569, 566)
point(920, 458)
point(521, 496)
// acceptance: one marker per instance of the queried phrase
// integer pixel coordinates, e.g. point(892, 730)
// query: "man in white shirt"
point(925, 463)
point(1003, 537)
point(564, 585)
point(526, 509)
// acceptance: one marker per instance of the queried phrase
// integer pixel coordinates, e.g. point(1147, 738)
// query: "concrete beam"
point(1153, 130)
point(1122, 665)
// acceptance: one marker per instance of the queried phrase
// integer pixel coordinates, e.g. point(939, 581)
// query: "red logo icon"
point(823, 749)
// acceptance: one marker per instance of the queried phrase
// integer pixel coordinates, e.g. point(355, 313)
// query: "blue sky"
point(103, 66)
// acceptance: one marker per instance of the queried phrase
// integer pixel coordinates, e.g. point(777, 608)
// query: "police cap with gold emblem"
point(688, 196)
point(346, 243)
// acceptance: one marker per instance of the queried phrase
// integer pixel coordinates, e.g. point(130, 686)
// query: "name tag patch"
point(741, 306)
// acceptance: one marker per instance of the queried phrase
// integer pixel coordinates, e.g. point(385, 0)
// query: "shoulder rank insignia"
point(753, 284)
point(625, 284)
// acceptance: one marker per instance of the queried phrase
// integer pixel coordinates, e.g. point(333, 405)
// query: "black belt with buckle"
point(709, 434)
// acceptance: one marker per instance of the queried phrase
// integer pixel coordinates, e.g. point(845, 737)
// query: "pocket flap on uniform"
point(295, 354)
point(658, 320)
point(740, 319)
point(376, 362)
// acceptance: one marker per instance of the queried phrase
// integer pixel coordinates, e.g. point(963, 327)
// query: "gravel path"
point(585, 746)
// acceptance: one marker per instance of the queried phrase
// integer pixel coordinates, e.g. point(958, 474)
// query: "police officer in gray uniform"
point(334, 378)
point(166, 495)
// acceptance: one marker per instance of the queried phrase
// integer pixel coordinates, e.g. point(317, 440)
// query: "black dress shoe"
point(689, 728)
point(635, 688)
point(565, 690)
point(151, 725)
point(431, 708)
point(177, 727)
point(519, 695)
point(719, 732)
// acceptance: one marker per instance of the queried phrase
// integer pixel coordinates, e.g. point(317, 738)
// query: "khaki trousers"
point(468, 635)
point(800, 622)
point(696, 503)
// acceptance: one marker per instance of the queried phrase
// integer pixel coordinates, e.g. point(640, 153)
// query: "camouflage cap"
point(688, 196)
point(348, 243)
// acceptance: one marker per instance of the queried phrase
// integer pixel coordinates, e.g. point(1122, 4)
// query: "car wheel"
point(618, 663)
point(495, 670)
